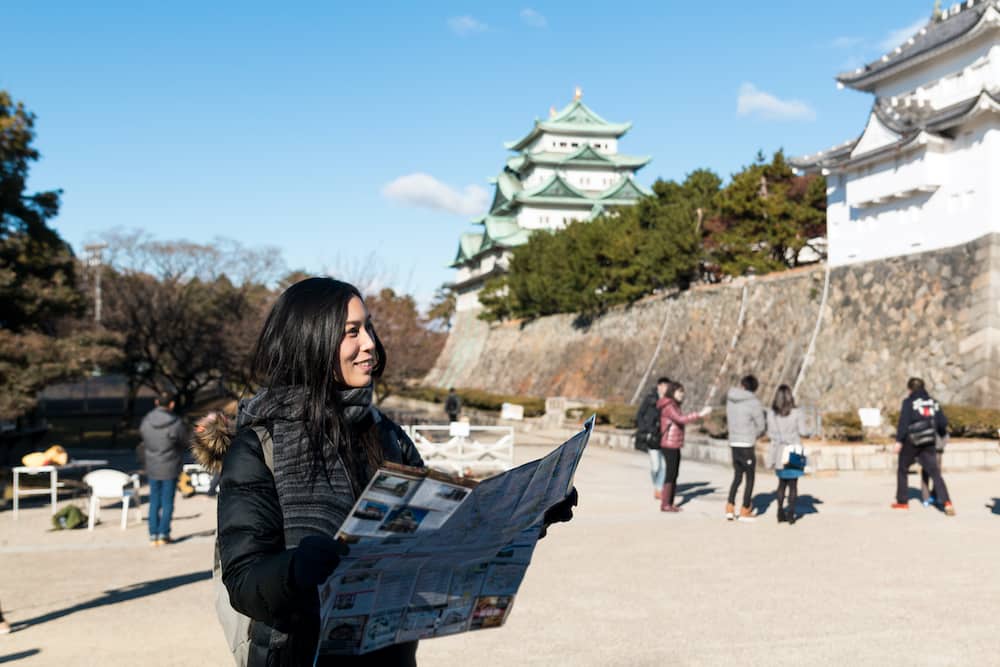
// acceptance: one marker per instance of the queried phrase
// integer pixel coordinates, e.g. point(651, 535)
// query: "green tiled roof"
point(585, 157)
point(501, 233)
point(627, 190)
point(493, 219)
point(556, 186)
point(575, 118)
point(507, 188)
point(468, 245)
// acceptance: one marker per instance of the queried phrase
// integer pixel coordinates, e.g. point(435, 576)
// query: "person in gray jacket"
point(746, 423)
point(164, 439)
point(786, 427)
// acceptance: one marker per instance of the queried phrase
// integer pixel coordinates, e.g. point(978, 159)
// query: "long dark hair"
point(784, 402)
point(672, 389)
point(299, 347)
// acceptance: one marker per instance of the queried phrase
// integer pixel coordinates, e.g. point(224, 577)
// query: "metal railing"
point(464, 450)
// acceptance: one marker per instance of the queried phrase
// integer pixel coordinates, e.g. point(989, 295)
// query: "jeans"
point(656, 467)
point(927, 458)
point(161, 507)
point(744, 463)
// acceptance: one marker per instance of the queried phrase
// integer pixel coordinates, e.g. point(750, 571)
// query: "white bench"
point(465, 450)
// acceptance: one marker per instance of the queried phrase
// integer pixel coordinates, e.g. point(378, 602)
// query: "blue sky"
point(357, 134)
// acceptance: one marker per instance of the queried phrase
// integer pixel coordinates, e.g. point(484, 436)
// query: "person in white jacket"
point(785, 428)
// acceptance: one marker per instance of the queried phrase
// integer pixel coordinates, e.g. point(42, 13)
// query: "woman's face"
point(357, 349)
point(679, 395)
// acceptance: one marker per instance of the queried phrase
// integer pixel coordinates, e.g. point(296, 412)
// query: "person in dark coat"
point(164, 439)
point(921, 424)
point(316, 361)
point(453, 405)
point(647, 433)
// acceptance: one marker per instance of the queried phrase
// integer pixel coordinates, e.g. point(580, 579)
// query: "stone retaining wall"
point(935, 315)
point(959, 455)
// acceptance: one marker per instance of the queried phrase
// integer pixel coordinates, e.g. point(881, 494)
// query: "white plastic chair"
point(109, 483)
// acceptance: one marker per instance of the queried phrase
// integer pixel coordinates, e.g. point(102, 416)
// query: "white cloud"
point(900, 35)
point(463, 26)
point(425, 191)
point(754, 102)
point(534, 19)
point(846, 42)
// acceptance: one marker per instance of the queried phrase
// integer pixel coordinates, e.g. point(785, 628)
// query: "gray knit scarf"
point(311, 504)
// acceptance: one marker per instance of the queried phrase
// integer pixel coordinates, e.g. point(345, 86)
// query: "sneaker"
point(949, 509)
point(900, 506)
point(657, 494)
point(928, 502)
point(730, 512)
point(4, 628)
point(746, 515)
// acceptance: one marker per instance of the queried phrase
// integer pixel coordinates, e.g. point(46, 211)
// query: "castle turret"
point(565, 168)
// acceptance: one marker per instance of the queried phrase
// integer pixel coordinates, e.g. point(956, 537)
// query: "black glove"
point(560, 512)
point(315, 559)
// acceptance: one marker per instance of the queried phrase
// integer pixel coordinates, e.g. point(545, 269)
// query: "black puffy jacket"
point(257, 568)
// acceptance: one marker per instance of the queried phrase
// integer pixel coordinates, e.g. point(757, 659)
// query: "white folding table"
point(54, 483)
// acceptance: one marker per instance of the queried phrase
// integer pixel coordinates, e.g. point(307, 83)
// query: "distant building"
point(924, 173)
point(566, 168)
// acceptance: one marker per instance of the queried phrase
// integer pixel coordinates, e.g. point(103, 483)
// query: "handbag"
point(794, 457)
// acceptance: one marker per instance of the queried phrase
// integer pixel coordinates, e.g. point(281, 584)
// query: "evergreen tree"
point(42, 338)
point(767, 216)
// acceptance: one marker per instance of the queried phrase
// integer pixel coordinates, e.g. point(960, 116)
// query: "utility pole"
point(95, 260)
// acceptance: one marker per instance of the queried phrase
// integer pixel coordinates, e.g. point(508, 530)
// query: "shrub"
point(477, 398)
point(968, 422)
point(715, 425)
point(616, 415)
point(964, 421)
point(842, 426)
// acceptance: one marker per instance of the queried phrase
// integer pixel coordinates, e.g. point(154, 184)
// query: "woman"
point(785, 426)
point(316, 360)
point(672, 423)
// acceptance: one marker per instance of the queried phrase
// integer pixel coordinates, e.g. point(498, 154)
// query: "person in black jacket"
point(316, 360)
point(921, 423)
point(452, 405)
point(647, 433)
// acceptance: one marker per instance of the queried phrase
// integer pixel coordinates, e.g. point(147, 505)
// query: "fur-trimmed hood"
point(212, 435)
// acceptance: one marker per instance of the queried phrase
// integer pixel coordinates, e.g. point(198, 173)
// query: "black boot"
point(781, 515)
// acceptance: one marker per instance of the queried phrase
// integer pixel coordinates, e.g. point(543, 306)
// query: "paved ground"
point(851, 583)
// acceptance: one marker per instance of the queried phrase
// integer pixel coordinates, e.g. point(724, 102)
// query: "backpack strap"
point(266, 445)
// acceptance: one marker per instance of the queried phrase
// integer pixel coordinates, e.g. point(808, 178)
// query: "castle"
point(920, 175)
point(565, 168)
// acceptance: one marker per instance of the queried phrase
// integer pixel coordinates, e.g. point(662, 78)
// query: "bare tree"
point(185, 325)
point(411, 345)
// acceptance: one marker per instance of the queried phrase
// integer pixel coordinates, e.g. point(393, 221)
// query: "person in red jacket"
point(672, 423)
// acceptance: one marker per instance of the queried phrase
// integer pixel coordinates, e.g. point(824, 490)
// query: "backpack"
point(236, 626)
point(922, 430)
point(794, 457)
